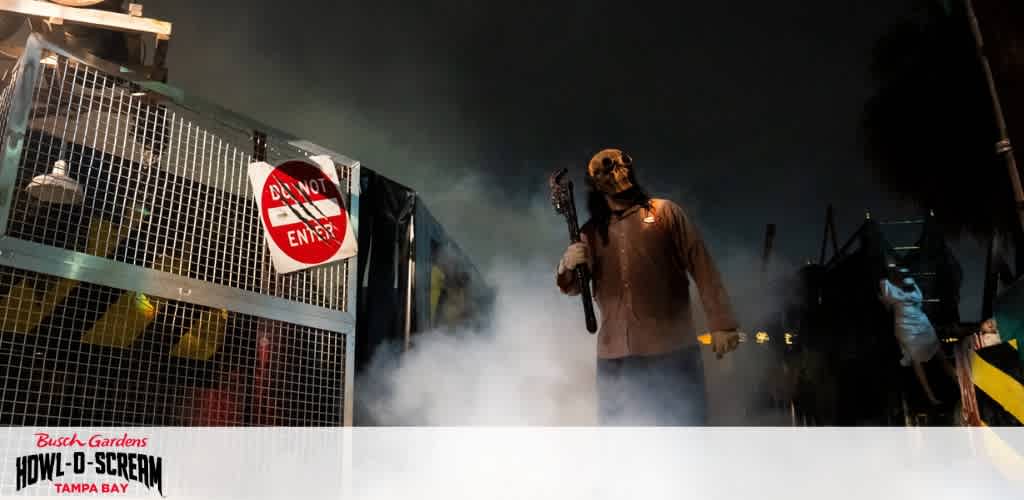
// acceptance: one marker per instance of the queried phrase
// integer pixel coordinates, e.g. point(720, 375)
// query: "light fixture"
point(55, 187)
point(761, 337)
point(50, 60)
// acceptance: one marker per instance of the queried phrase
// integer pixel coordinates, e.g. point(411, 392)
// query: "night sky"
point(744, 111)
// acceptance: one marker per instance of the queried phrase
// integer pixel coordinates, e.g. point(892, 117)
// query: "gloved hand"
point(575, 255)
point(724, 342)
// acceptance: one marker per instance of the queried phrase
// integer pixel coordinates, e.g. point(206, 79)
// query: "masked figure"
point(611, 172)
point(642, 253)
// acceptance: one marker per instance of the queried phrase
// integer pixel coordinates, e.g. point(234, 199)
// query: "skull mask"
point(610, 171)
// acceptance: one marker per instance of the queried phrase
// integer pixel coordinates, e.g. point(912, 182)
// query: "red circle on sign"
point(303, 212)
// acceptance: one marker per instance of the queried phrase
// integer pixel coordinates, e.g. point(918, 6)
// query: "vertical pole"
point(259, 153)
point(266, 340)
point(18, 115)
point(160, 49)
point(259, 145)
point(410, 283)
point(355, 190)
point(1003, 146)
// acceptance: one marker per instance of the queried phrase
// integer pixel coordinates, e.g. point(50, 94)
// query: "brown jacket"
point(641, 282)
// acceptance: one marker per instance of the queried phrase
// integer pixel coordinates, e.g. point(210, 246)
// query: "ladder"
point(922, 277)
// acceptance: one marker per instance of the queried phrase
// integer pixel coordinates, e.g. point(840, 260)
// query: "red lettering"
point(43, 440)
point(98, 441)
point(76, 488)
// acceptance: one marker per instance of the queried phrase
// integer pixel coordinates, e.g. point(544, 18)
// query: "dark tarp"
point(1001, 268)
point(385, 211)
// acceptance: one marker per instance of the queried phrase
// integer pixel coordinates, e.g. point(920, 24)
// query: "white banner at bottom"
point(514, 463)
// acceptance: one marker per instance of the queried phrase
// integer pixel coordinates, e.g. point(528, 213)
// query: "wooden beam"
point(88, 17)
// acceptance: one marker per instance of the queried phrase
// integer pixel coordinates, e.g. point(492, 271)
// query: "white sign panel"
point(303, 213)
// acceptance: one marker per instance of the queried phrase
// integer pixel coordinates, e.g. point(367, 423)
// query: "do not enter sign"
point(303, 213)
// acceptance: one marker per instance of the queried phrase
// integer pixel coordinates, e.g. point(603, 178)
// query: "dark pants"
point(663, 390)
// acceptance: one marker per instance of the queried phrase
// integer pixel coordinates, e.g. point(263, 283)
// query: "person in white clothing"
point(913, 329)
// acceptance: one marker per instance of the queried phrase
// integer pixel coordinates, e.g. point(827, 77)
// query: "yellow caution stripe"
point(205, 337)
point(123, 322)
point(27, 304)
point(999, 386)
point(33, 305)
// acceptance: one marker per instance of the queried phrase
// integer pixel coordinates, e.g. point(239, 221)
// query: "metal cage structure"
point(144, 295)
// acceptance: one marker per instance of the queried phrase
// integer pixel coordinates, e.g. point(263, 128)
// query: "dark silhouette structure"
point(841, 347)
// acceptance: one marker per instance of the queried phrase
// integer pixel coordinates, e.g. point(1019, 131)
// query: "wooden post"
point(1003, 146)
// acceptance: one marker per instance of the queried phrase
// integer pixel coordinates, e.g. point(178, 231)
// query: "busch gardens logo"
point(112, 468)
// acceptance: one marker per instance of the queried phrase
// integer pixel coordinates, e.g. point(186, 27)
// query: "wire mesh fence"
point(75, 353)
point(177, 191)
point(112, 172)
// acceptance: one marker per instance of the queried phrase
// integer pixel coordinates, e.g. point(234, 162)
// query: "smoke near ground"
point(535, 364)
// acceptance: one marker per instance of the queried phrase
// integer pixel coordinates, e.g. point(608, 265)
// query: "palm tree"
point(930, 130)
